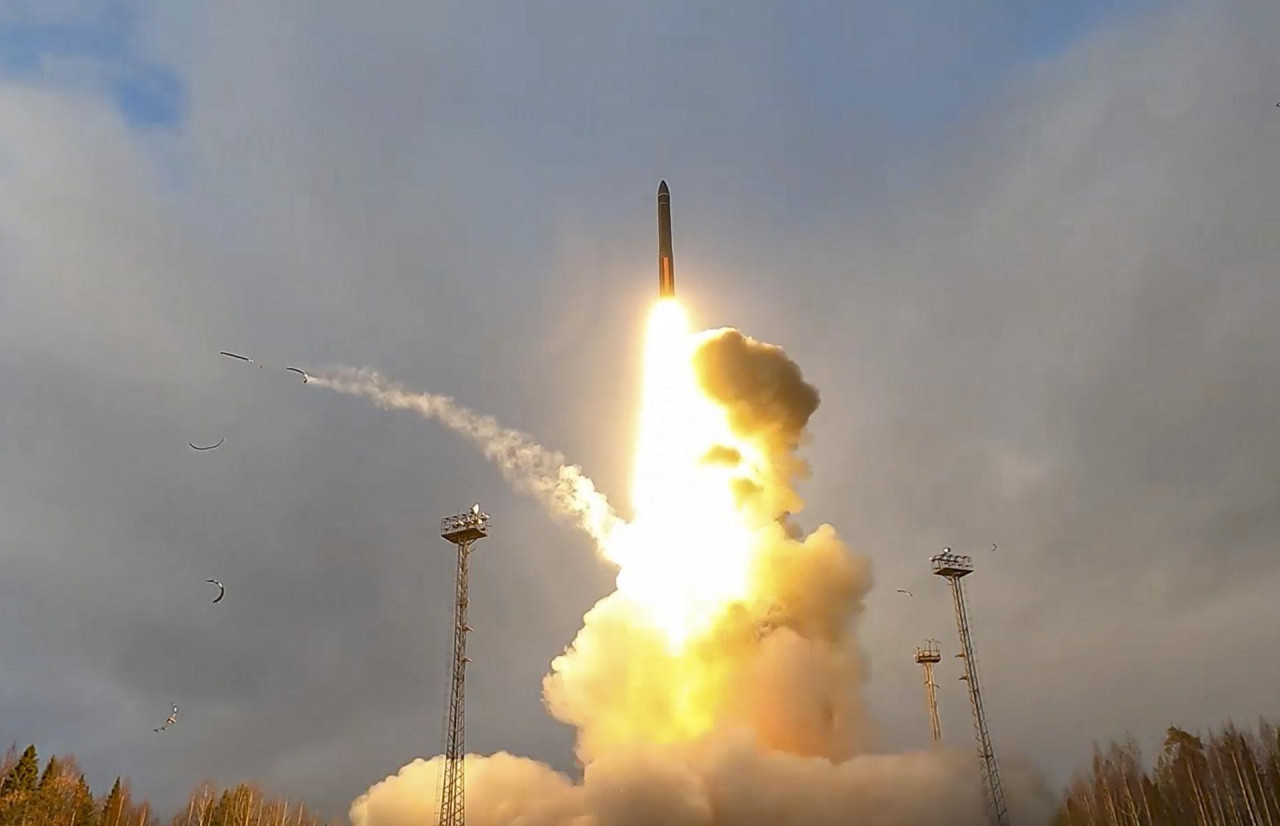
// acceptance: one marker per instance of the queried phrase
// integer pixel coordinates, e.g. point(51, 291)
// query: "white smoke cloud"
point(724, 780)
point(499, 786)
point(760, 718)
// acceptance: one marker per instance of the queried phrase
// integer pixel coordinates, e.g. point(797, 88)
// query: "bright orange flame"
point(686, 555)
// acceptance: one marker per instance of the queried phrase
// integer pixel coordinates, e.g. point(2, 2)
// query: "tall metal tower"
point(463, 530)
point(953, 568)
point(926, 656)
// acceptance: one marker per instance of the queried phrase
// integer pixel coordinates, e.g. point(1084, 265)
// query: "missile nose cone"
point(662, 188)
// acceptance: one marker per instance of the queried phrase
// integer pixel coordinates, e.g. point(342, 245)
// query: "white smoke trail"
point(530, 467)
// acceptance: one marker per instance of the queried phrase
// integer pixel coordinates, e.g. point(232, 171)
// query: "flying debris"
point(475, 509)
point(905, 591)
point(994, 546)
point(209, 447)
point(221, 590)
point(238, 356)
point(302, 373)
point(173, 718)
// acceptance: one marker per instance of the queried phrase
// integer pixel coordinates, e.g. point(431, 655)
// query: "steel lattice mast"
point(954, 567)
point(462, 530)
point(926, 656)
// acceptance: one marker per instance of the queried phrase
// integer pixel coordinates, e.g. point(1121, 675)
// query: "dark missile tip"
point(662, 188)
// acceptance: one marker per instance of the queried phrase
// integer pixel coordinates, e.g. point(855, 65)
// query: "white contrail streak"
point(530, 467)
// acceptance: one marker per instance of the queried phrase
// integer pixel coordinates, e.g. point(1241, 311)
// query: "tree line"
point(58, 795)
point(1227, 778)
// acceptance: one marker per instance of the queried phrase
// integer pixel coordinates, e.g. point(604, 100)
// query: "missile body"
point(666, 264)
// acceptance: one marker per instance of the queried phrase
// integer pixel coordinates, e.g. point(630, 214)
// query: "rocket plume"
point(530, 467)
point(720, 683)
point(723, 618)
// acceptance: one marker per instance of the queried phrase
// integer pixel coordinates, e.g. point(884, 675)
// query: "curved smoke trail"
point(530, 467)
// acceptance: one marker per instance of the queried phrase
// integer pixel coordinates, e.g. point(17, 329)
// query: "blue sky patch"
point(97, 51)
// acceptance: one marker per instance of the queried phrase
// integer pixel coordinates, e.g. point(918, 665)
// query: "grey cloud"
point(1054, 331)
point(1066, 352)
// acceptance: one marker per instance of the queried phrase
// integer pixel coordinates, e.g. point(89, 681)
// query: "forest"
point(58, 795)
point(1227, 777)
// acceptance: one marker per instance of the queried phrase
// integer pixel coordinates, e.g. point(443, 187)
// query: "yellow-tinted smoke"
point(723, 617)
point(719, 684)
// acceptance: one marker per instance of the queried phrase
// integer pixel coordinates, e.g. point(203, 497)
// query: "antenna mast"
point(926, 656)
point(952, 568)
point(462, 530)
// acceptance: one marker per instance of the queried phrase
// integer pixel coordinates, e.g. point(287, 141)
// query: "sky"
point(1027, 255)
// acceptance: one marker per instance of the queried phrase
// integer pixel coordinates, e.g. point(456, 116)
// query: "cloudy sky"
point(1027, 255)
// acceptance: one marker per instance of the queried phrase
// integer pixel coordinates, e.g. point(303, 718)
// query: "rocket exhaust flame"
point(685, 555)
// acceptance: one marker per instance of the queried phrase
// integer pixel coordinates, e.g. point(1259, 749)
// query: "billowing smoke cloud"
point(725, 780)
point(530, 467)
point(759, 719)
point(764, 392)
point(768, 403)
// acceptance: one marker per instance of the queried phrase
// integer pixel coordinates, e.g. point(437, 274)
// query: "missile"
point(666, 264)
